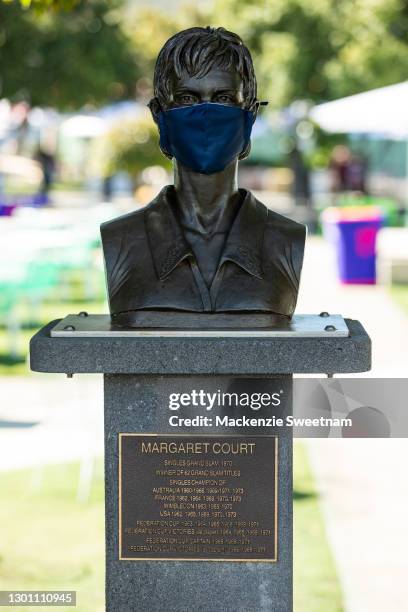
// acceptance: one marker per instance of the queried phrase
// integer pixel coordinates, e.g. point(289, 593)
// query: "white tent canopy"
point(83, 126)
point(382, 111)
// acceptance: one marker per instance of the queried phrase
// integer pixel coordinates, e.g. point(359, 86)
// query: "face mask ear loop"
point(255, 106)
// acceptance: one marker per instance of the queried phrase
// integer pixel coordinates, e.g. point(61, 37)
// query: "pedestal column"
point(139, 404)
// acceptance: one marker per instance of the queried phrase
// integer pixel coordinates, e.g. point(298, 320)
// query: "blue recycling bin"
point(353, 233)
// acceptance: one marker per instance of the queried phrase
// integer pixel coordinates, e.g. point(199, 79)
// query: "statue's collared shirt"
point(151, 266)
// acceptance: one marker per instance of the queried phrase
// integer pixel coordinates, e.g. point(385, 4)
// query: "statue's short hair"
point(196, 51)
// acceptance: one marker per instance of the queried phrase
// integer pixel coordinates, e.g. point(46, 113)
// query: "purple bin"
point(6, 210)
point(353, 232)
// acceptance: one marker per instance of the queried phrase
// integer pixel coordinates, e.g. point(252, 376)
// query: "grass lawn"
point(50, 541)
point(400, 294)
point(48, 311)
point(316, 587)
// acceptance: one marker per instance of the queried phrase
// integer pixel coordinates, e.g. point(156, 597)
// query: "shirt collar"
point(245, 239)
point(169, 247)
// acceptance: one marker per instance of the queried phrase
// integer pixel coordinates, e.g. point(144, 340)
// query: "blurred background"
point(78, 147)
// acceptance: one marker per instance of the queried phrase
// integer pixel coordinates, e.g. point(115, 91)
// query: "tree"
point(97, 50)
point(66, 60)
point(321, 50)
point(149, 28)
point(129, 146)
point(44, 5)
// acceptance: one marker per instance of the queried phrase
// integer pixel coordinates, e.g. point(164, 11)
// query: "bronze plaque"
point(198, 498)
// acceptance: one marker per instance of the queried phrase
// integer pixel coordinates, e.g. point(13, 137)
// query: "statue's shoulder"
point(275, 221)
point(133, 222)
point(285, 226)
point(282, 257)
point(283, 235)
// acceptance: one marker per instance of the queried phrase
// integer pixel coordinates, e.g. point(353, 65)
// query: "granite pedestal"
point(141, 371)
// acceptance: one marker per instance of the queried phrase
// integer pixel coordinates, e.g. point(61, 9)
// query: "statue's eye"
point(224, 99)
point(186, 99)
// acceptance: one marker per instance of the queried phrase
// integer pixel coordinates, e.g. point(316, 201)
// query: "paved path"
point(385, 322)
point(50, 419)
point(364, 489)
point(363, 483)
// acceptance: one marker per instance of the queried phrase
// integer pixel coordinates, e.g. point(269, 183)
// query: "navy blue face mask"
point(205, 137)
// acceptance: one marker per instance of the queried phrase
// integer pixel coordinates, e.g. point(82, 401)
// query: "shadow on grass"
point(303, 495)
point(17, 424)
point(10, 360)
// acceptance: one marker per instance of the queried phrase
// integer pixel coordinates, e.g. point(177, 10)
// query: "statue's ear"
point(155, 109)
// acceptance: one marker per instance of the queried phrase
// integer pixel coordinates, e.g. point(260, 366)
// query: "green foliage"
point(44, 5)
point(149, 28)
point(130, 146)
point(68, 53)
point(321, 50)
point(65, 60)
point(317, 50)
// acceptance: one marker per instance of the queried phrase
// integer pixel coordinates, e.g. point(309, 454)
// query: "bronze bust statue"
point(203, 245)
